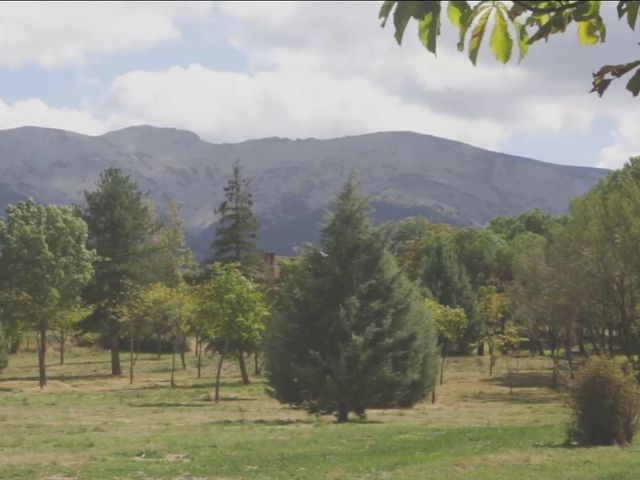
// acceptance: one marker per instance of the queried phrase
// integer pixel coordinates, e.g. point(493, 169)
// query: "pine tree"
point(350, 331)
point(236, 234)
point(119, 231)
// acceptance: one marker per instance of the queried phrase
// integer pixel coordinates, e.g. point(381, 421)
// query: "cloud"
point(52, 34)
point(627, 140)
point(34, 112)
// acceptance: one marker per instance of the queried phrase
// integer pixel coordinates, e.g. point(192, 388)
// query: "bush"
point(605, 401)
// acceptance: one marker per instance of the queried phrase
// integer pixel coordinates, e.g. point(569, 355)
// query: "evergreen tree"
point(350, 331)
point(236, 234)
point(119, 231)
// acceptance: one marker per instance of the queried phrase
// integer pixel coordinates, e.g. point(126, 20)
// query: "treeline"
point(356, 322)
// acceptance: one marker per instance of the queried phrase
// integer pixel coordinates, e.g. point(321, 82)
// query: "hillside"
point(293, 180)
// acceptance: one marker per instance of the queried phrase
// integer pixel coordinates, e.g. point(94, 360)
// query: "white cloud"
point(627, 140)
point(52, 34)
point(227, 106)
point(35, 112)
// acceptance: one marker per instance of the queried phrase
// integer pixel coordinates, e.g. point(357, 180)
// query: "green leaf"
point(467, 19)
point(501, 42)
point(476, 37)
point(429, 28)
point(523, 39)
point(401, 17)
point(591, 32)
point(586, 11)
point(633, 10)
point(633, 85)
point(385, 10)
point(456, 11)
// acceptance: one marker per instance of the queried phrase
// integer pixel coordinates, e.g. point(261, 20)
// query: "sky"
point(231, 71)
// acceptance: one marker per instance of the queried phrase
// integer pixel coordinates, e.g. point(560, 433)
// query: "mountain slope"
point(293, 180)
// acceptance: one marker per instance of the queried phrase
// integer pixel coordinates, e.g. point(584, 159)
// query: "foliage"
point(350, 331)
point(237, 227)
point(120, 232)
point(605, 403)
point(235, 309)
point(451, 323)
point(521, 22)
point(44, 264)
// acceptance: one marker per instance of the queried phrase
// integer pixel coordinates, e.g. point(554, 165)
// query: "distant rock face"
point(293, 181)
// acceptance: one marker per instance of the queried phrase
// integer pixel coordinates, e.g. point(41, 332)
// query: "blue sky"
point(233, 71)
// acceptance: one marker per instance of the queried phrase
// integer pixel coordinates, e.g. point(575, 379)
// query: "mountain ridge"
point(293, 180)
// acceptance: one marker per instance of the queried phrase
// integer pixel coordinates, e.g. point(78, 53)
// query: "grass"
point(87, 425)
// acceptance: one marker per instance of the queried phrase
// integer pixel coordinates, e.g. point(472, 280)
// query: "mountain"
point(293, 181)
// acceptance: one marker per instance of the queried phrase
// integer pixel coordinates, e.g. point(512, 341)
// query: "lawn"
point(86, 424)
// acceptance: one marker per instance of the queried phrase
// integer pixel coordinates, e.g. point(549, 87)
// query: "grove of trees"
point(366, 319)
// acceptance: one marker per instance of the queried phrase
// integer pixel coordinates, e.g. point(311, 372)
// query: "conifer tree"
point(350, 331)
point(236, 234)
point(119, 231)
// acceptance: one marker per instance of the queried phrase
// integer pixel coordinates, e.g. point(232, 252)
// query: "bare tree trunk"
point(222, 355)
point(433, 395)
point(199, 358)
point(196, 352)
point(442, 362)
point(480, 351)
point(62, 339)
point(42, 352)
point(116, 369)
point(159, 346)
point(131, 359)
point(243, 369)
point(173, 362)
point(343, 414)
point(256, 365)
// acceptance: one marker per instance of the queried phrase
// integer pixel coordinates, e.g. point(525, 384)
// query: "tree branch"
point(559, 8)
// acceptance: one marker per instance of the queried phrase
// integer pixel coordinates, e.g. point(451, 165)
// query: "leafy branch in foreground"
point(520, 22)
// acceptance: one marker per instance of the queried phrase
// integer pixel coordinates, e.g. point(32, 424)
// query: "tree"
point(451, 324)
point(500, 333)
point(350, 331)
point(44, 265)
point(237, 227)
point(526, 21)
point(119, 231)
point(4, 348)
point(65, 321)
point(235, 308)
point(169, 309)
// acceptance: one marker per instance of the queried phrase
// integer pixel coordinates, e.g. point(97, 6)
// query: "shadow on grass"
point(270, 423)
point(517, 397)
point(523, 380)
point(61, 378)
point(167, 405)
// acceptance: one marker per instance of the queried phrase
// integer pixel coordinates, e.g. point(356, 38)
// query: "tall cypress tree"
point(350, 331)
point(236, 234)
point(119, 231)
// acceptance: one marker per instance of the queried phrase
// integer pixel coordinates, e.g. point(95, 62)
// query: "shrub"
point(605, 402)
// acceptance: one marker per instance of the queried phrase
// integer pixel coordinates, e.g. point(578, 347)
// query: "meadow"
point(88, 425)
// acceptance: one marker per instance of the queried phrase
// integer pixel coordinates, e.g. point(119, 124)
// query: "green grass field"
point(87, 425)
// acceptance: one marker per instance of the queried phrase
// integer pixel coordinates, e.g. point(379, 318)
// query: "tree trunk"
point(343, 415)
point(182, 360)
point(173, 362)
point(159, 346)
point(442, 362)
point(256, 366)
point(196, 352)
point(42, 352)
point(131, 360)
point(116, 369)
point(433, 395)
point(243, 369)
point(222, 355)
point(199, 359)
point(62, 338)
point(480, 351)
